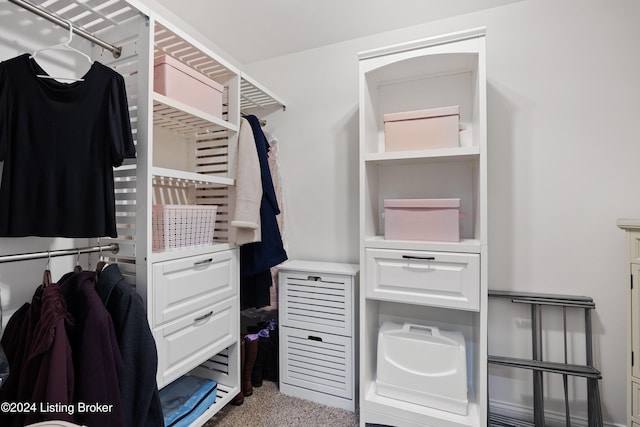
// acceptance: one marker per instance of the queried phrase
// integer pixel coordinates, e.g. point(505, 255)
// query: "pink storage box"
point(422, 129)
point(177, 81)
point(422, 219)
point(179, 226)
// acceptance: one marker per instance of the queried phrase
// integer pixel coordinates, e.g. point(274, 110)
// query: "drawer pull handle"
point(203, 261)
point(314, 278)
point(427, 258)
point(204, 316)
point(312, 338)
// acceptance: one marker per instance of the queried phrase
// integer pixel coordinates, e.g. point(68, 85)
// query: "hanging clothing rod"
point(263, 122)
point(43, 13)
point(59, 252)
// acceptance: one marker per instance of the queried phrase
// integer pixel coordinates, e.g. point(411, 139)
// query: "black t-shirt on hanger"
point(59, 143)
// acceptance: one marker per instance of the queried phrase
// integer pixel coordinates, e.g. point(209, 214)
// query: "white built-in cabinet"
point(632, 228)
point(441, 284)
point(317, 327)
point(192, 293)
point(185, 157)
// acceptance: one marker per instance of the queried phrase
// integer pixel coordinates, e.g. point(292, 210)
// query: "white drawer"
point(187, 284)
point(192, 339)
point(316, 361)
point(443, 279)
point(316, 301)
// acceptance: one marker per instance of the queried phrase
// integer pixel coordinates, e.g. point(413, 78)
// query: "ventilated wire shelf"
point(252, 96)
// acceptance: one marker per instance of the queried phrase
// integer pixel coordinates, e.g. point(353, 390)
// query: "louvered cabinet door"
point(318, 361)
point(317, 301)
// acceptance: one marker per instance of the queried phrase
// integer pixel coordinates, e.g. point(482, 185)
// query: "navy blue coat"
point(258, 257)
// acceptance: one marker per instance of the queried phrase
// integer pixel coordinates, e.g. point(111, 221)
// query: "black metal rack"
point(538, 366)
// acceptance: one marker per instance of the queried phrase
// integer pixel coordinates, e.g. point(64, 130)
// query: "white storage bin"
point(179, 226)
point(422, 365)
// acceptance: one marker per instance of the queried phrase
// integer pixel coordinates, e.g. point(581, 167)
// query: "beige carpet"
point(267, 407)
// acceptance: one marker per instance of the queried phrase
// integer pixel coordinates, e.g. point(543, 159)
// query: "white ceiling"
point(252, 30)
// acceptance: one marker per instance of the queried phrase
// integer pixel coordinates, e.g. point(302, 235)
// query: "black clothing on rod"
point(59, 143)
point(138, 388)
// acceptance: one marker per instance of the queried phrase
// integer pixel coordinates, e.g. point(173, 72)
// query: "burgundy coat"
point(39, 354)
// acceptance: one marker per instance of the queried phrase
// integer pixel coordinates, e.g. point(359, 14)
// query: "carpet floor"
point(267, 407)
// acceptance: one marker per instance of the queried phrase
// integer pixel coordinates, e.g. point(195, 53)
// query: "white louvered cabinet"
point(317, 318)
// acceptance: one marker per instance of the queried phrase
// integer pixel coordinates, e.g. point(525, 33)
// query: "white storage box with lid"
point(178, 226)
point(177, 81)
point(422, 129)
point(422, 365)
point(422, 219)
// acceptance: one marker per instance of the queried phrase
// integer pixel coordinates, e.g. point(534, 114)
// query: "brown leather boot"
point(239, 399)
point(251, 352)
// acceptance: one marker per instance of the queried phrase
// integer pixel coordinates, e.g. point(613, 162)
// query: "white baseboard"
point(552, 418)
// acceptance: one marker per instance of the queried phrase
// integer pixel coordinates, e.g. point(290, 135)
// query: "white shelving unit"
point(190, 159)
point(192, 293)
point(184, 156)
point(441, 284)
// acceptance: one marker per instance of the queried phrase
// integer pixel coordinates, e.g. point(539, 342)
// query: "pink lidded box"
point(422, 219)
point(422, 129)
point(177, 81)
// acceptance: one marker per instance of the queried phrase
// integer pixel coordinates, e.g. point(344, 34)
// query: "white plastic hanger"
point(63, 46)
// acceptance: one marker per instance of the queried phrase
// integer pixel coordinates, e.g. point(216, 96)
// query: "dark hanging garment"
point(140, 396)
point(255, 290)
point(97, 361)
point(39, 353)
point(59, 143)
point(257, 258)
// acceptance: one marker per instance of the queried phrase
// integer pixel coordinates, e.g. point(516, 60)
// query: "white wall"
point(563, 102)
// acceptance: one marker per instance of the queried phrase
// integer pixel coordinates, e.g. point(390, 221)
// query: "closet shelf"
point(178, 117)
point(178, 178)
point(420, 415)
point(464, 245)
point(224, 395)
point(166, 42)
point(435, 154)
point(253, 95)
